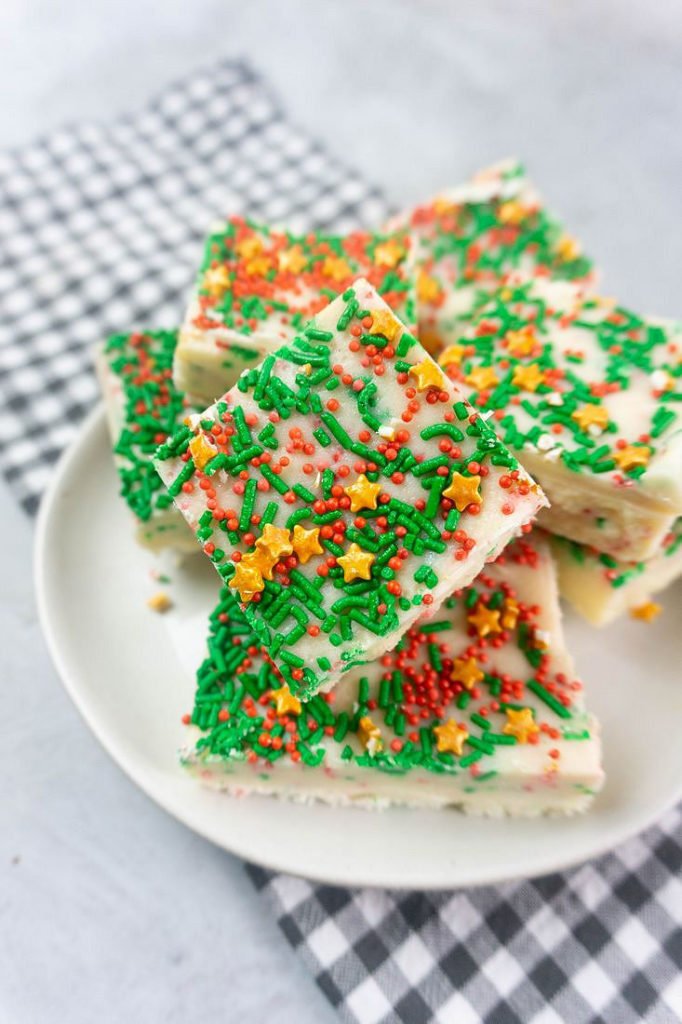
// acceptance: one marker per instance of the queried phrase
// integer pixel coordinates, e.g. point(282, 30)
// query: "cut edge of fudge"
point(321, 489)
point(601, 588)
point(133, 370)
point(430, 725)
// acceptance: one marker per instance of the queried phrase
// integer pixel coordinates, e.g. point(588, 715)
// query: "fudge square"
point(587, 394)
point(477, 707)
point(143, 407)
point(471, 238)
point(342, 488)
point(258, 286)
point(601, 588)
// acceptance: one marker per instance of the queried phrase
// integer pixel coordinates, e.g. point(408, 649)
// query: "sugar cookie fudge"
point(601, 588)
point(257, 287)
point(470, 239)
point(477, 707)
point(342, 487)
point(143, 407)
point(587, 394)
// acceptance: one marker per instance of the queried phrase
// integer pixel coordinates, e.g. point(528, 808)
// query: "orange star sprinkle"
point(520, 724)
point(247, 579)
point(306, 543)
point(429, 290)
point(388, 254)
point(450, 737)
point(510, 613)
point(632, 456)
point(292, 260)
point(463, 490)
point(275, 541)
point(383, 322)
point(285, 702)
point(202, 451)
point(485, 620)
point(521, 342)
point(369, 735)
point(646, 612)
point(216, 281)
point(363, 493)
point(453, 354)
point(336, 268)
point(356, 564)
point(528, 377)
point(482, 378)
point(466, 672)
point(591, 416)
point(249, 247)
point(428, 375)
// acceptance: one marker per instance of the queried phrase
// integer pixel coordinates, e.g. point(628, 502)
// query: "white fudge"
point(477, 708)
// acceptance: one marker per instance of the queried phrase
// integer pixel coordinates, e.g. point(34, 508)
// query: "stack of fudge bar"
point(360, 433)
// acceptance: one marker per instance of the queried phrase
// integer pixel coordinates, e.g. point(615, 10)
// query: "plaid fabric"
point(100, 231)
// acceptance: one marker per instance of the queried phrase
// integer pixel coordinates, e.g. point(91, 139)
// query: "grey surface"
point(109, 910)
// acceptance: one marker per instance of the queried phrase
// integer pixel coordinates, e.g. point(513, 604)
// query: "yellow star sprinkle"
point(567, 248)
point(216, 281)
point(356, 564)
point(285, 702)
point(262, 561)
point(646, 612)
point(428, 288)
point(510, 613)
point(275, 541)
point(512, 212)
point(520, 724)
point(363, 493)
point(336, 268)
point(292, 260)
point(450, 737)
point(160, 602)
point(428, 375)
point(383, 322)
point(485, 620)
point(482, 378)
point(249, 247)
point(247, 579)
point(306, 543)
point(369, 735)
point(521, 342)
point(528, 377)
point(452, 354)
point(202, 451)
point(591, 416)
point(632, 456)
point(463, 490)
point(258, 266)
point(466, 672)
point(388, 254)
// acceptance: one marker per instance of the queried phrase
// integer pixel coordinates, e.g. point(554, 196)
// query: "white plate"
point(129, 671)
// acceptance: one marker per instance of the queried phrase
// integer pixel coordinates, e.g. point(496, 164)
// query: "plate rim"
point(69, 678)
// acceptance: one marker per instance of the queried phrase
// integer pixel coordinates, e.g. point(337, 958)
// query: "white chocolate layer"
point(601, 588)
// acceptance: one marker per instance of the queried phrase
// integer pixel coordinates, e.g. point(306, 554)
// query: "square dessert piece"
point(258, 286)
point(143, 407)
point(470, 239)
point(477, 707)
point(342, 488)
point(587, 394)
point(601, 588)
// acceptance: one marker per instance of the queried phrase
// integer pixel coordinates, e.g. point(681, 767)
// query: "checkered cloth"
point(100, 231)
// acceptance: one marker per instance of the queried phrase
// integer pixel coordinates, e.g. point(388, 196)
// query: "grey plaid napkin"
point(100, 231)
